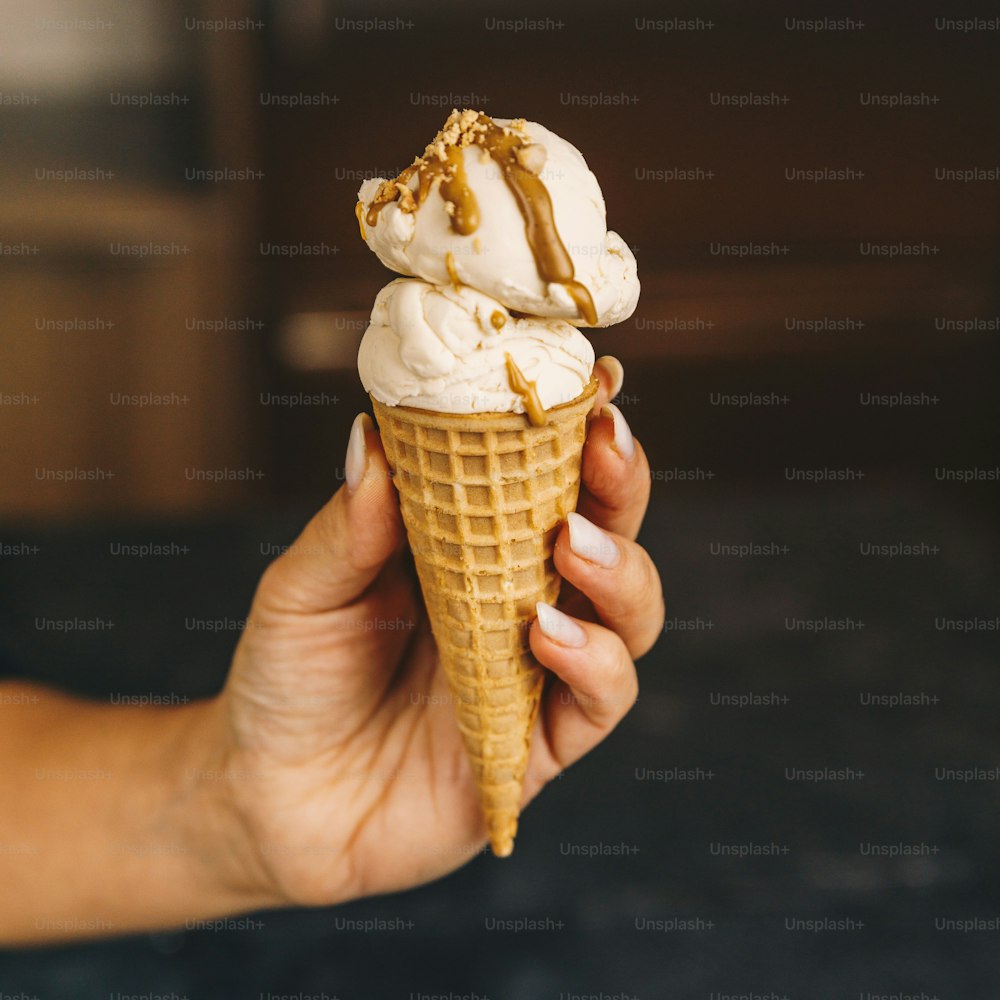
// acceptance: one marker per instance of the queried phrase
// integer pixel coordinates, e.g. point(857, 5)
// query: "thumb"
point(344, 547)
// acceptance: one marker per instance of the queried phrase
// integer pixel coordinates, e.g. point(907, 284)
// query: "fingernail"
point(560, 627)
point(624, 444)
point(357, 453)
point(614, 368)
point(590, 543)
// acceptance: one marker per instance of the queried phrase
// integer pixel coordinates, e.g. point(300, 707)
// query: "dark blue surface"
point(662, 830)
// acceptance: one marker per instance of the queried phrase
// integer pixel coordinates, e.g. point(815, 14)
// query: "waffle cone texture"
point(483, 496)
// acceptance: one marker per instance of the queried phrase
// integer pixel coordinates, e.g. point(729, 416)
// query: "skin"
point(330, 766)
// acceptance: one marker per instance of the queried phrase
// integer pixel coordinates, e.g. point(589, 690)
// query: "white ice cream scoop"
point(446, 348)
point(510, 209)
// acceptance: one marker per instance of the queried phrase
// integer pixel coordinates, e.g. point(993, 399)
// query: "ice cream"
point(447, 349)
point(481, 384)
point(511, 209)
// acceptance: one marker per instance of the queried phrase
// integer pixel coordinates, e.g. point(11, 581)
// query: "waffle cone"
point(482, 497)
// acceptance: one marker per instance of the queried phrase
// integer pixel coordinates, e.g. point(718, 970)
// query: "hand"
point(346, 769)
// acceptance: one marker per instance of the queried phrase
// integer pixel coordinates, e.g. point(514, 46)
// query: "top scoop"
point(510, 209)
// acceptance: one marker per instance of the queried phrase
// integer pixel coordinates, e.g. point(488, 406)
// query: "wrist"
point(205, 810)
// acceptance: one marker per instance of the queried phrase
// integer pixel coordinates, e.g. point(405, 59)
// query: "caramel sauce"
point(455, 188)
point(389, 192)
point(506, 148)
point(551, 258)
point(449, 263)
point(528, 392)
point(497, 320)
point(359, 213)
point(584, 301)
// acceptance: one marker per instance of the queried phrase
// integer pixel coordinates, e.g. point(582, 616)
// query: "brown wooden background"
point(307, 313)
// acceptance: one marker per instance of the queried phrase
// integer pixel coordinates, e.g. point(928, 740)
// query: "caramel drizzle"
point(449, 263)
point(358, 212)
point(528, 393)
point(551, 257)
point(455, 189)
point(505, 147)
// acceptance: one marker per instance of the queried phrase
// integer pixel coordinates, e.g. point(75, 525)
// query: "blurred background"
point(814, 204)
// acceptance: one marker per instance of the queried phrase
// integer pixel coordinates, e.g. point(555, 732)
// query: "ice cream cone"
point(482, 497)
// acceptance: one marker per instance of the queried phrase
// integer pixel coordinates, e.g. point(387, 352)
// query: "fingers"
point(619, 579)
point(610, 376)
point(596, 686)
point(343, 548)
point(615, 472)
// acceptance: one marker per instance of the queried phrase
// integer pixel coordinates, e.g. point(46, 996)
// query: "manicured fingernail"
point(357, 453)
point(624, 444)
point(560, 627)
point(615, 370)
point(590, 543)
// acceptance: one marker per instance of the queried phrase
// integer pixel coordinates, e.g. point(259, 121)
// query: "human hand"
point(347, 772)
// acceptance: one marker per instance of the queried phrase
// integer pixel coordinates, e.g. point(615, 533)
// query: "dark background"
point(706, 325)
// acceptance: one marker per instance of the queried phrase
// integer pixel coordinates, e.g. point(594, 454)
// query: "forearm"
point(113, 819)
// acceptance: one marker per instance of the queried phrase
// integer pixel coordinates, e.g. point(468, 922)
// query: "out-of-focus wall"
point(118, 259)
point(751, 161)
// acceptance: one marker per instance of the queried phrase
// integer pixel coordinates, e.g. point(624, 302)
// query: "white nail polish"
point(590, 543)
point(357, 454)
point(560, 627)
point(624, 444)
point(614, 368)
